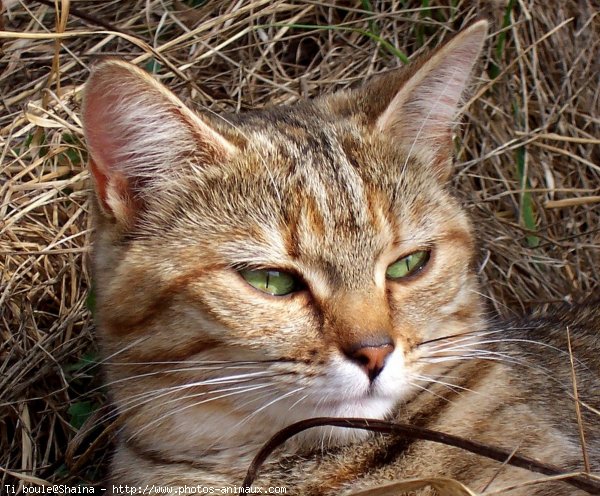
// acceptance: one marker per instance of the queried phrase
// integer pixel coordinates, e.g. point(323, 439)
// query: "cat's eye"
point(408, 265)
point(273, 282)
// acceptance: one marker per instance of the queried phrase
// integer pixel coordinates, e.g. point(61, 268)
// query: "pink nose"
point(370, 358)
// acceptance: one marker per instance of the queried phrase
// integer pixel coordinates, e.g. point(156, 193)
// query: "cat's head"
point(281, 264)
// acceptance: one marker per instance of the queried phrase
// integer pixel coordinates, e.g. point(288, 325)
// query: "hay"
point(528, 163)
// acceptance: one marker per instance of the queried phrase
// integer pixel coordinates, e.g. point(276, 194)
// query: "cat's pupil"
point(270, 281)
point(408, 265)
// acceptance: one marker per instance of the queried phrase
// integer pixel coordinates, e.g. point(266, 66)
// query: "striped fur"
point(203, 368)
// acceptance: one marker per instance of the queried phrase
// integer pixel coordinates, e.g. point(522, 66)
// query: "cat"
point(257, 269)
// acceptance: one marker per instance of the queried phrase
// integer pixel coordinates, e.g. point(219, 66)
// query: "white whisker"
point(241, 389)
point(187, 407)
point(187, 369)
point(297, 402)
point(427, 390)
point(141, 399)
point(448, 385)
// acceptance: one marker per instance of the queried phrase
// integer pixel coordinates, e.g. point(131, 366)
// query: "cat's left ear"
point(140, 137)
point(421, 113)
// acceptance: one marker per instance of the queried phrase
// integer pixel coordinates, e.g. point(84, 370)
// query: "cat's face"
point(278, 265)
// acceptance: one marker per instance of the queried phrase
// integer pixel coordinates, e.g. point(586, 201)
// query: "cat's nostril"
point(362, 359)
point(371, 358)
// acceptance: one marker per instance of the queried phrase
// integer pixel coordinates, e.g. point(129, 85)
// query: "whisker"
point(258, 397)
point(257, 411)
point(474, 334)
point(241, 389)
point(290, 393)
point(475, 355)
point(94, 364)
point(448, 385)
point(145, 397)
point(499, 357)
point(175, 371)
point(495, 300)
point(502, 358)
point(427, 390)
point(297, 402)
point(187, 407)
point(216, 363)
point(523, 340)
point(461, 336)
point(206, 364)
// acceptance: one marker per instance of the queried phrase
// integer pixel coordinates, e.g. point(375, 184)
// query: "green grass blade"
point(366, 5)
point(526, 206)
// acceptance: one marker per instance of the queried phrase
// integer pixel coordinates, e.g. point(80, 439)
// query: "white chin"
point(345, 391)
point(373, 408)
point(327, 436)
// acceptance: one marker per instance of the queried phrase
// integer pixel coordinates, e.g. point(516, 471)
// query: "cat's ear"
point(139, 137)
point(421, 113)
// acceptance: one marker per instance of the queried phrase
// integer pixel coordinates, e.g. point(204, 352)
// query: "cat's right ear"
point(139, 137)
point(416, 107)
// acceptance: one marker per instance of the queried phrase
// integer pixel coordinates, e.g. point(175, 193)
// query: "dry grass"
point(528, 162)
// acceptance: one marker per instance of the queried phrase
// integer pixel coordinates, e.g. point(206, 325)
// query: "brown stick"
point(413, 432)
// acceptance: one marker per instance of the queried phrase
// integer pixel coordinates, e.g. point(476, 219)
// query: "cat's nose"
point(371, 357)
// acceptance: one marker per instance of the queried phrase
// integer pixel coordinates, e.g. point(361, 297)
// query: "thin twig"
point(414, 432)
point(586, 460)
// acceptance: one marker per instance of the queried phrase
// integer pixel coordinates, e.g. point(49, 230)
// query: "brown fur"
point(204, 368)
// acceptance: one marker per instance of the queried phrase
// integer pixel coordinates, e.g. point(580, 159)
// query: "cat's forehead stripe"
point(318, 164)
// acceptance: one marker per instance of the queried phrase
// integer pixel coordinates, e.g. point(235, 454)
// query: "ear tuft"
point(421, 114)
point(139, 136)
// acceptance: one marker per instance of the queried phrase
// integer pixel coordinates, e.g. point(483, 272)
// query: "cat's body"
point(342, 204)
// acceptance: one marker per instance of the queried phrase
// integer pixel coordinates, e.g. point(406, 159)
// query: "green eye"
point(408, 265)
point(270, 281)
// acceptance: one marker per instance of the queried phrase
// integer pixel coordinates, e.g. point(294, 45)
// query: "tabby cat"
point(254, 270)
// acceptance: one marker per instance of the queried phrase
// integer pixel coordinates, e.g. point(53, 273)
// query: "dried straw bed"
point(528, 162)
